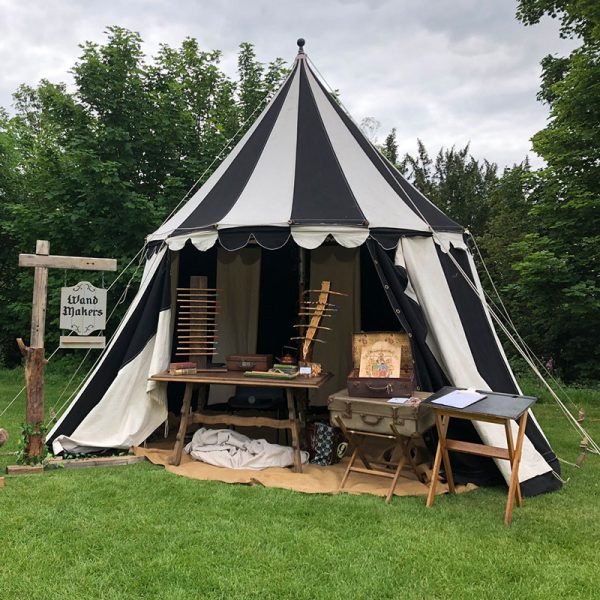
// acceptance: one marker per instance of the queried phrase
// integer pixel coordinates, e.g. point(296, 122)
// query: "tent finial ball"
point(300, 43)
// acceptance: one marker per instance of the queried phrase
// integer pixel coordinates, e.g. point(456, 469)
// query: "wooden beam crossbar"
point(35, 362)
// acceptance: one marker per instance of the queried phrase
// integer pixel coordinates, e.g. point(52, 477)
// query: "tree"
point(390, 147)
point(95, 170)
point(456, 182)
point(559, 264)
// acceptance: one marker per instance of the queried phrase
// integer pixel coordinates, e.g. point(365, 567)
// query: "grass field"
point(140, 532)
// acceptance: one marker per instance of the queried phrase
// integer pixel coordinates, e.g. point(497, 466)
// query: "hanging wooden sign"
point(83, 311)
point(41, 261)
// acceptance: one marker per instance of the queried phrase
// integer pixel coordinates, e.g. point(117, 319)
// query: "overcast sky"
point(445, 71)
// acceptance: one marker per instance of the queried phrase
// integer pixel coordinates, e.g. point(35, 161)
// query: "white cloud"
point(446, 72)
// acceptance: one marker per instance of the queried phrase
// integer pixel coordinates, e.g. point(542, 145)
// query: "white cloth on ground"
point(227, 448)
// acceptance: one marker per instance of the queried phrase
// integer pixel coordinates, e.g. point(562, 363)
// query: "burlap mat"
point(313, 480)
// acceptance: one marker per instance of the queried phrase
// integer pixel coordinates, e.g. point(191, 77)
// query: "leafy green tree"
point(390, 147)
point(560, 258)
point(95, 170)
point(456, 182)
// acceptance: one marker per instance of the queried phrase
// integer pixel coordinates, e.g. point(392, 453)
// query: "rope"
point(506, 315)
point(482, 295)
point(124, 294)
point(572, 420)
point(23, 389)
point(120, 301)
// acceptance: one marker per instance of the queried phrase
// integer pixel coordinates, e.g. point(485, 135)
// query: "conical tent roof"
point(303, 169)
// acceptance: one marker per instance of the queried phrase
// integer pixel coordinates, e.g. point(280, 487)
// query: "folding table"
point(501, 409)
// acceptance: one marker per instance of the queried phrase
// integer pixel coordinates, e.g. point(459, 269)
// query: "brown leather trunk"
point(249, 362)
point(379, 387)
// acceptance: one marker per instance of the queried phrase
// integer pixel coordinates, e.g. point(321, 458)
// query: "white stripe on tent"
point(377, 200)
point(190, 206)
point(312, 236)
point(202, 240)
point(429, 282)
point(128, 413)
point(268, 195)
point(150, 269)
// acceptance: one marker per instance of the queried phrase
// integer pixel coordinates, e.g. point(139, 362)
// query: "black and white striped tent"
point(304, 185)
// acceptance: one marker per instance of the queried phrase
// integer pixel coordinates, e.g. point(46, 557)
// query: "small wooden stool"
point(377, 468)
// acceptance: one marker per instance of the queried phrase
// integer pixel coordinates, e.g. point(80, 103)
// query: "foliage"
point(390, 147)
point(558, 276)
point(95, 170)
point(456, 182)
point(27, 432)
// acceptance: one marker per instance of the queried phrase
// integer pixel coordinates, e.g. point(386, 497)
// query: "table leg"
point(437, 462)
point(445, 421)
point(511, 454)
point(354, 441)
point(293, 418)
point(514, 476)
point(402, 460)
point(185, 413)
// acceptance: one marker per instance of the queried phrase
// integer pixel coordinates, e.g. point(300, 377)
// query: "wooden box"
point(249, 362)
point(376, 415)
point(381, 387)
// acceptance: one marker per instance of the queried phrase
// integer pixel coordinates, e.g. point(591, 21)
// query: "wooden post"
point(34, 354)
point(34, 358)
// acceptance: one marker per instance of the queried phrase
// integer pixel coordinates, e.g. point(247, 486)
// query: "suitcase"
point(249, 362)
point(381, 387)
point(376, 416)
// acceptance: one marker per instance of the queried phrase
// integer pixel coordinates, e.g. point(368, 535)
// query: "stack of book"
point(182, 368)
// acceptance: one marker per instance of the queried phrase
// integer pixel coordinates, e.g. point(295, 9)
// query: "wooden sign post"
point(34, 353)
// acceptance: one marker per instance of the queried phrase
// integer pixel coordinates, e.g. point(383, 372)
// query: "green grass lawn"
point(140, 532)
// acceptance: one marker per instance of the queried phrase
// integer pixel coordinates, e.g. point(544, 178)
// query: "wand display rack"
point(197, 333)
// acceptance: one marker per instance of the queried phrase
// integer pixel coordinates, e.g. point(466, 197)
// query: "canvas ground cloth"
point(313, 480)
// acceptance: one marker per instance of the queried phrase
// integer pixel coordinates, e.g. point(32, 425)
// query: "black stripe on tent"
point(139, 329)
point(482, 342)
point(226, 191)
point(270, 238)
point(388, 238)
point(434, 216)
point(321, 192)
point(541, 484)
point(394, 280)
point(488, 359)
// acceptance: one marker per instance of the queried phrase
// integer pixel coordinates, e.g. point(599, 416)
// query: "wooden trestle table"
point(203, 380)
point(497, 408)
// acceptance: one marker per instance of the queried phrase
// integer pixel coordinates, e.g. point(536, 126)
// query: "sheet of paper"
point(459, 398)
point(398, 400)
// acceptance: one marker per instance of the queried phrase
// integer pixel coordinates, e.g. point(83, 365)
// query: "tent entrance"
point(260, 301)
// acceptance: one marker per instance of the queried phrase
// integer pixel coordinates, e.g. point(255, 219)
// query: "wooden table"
point(494, 408)
point(204, 380)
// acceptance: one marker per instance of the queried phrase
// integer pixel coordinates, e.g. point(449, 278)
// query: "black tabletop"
point(507, 406)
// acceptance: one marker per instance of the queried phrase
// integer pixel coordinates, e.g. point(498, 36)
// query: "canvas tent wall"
point(304, 176)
